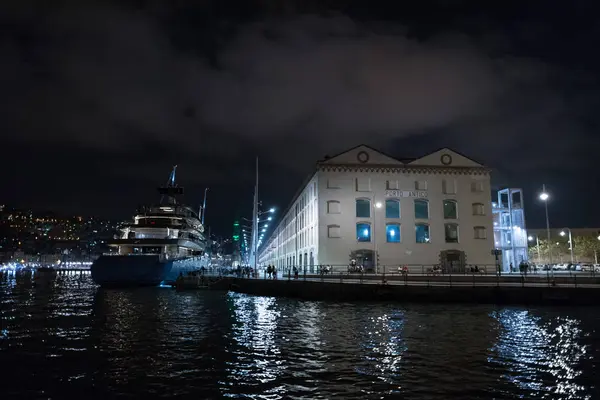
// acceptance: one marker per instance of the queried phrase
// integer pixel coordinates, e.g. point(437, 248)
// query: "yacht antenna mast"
point(171, 181)
point(204, 206)
point(170, 188)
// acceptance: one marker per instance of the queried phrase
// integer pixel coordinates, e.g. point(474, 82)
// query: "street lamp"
point(537, 244)
point(596, 254)
point(571, 245)
point(374, 233)
point(544, 196)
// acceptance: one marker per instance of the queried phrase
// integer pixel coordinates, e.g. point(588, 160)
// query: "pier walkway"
point(556, 279)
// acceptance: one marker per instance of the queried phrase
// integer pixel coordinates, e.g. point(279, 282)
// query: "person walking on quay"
point(295, 272)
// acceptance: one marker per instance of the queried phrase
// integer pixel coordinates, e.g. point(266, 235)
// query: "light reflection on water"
point(540, 355)
point(64, 337)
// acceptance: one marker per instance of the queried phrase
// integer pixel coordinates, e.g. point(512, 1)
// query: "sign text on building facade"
point(405, 193)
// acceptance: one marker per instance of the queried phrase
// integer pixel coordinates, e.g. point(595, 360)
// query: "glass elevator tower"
point(510, 233)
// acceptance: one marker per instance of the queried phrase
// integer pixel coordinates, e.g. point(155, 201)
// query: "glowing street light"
point(562, 233)
point(544, 196)
point(537, 245)
point(378, 205)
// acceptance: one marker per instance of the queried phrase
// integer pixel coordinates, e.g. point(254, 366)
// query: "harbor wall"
point(315, 290)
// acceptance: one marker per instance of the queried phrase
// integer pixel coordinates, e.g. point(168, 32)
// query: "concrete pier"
point(444, 289)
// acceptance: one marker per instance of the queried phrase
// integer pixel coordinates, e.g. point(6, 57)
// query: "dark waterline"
point(66, 338)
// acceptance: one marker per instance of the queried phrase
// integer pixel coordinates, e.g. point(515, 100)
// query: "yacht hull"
point(138, 271)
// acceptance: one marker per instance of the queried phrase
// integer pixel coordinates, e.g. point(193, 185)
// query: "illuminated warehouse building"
point(382, 211)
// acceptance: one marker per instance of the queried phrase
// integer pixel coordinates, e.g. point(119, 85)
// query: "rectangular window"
point(478, 209)
point(421, 185)
point(363, 208)
point(391, 185)
point(392, 233)
point(422, 233)
point(392, 208)
point(333, 183)
point(451, 233)
point(363, 184)
point(363, 232)
point(477, 187)
point(333, 207)
point(449, 186)
point(421, 209)
point(480, 232)
point(450, 211)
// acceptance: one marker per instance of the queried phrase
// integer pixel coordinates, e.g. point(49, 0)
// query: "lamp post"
point(571, 244)
point(255, 234)
point(537, 244)
point(373, 233)
point(596, 254)
point(544, 196)
point(259, 235)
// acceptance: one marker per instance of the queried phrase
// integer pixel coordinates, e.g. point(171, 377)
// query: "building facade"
point(510, 232)
point(384, 212)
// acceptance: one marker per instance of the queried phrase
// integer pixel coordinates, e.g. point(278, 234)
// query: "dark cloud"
point(114, 80)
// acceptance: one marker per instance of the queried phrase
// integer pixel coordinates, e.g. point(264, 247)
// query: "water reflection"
point(383, 347)
point(542, 357)
point(255, 355)
point(69, 338)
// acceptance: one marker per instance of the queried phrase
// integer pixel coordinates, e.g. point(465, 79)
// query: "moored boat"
point(163, 242)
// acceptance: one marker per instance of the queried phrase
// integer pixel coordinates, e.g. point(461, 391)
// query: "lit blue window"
point(421, 209)
point(392, 209)
point(363, 208)
point(363, 232)
point(392, 233)
point(422, 233)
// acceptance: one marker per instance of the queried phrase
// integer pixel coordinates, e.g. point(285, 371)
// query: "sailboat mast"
point(255, 221)
point(204, 206)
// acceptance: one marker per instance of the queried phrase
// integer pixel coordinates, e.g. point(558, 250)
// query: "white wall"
point(310, 234)
point(336, 251)
point(295, 238)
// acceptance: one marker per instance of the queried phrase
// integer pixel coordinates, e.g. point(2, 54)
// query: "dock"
point(540, 289)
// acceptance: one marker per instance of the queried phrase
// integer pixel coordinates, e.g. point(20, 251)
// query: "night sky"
point(99, 100)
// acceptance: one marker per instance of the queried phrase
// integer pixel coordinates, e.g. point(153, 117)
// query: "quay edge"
point(312, 290)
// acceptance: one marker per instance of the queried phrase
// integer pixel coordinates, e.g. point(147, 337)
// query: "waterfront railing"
point(486, 275)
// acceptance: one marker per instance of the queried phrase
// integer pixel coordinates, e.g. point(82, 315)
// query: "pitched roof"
point(364, 154)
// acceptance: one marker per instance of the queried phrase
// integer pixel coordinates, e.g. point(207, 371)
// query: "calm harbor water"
point(66, 338)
